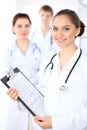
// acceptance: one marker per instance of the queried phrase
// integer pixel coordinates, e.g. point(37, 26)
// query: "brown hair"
point(20, 15)
point(74, 19)
point(47, 8)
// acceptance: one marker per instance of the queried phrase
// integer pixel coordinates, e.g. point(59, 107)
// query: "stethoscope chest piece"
point(63, 87)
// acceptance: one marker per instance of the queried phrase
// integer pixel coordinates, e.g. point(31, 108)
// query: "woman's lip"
point(24, 34)
point(60, 40)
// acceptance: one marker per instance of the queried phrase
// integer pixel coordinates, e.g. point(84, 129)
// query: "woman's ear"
point(78, 31)
point(13, 30)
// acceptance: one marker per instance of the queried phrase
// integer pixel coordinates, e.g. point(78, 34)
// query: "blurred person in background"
point(26, 56)
point(23, 53)
point(42, 34)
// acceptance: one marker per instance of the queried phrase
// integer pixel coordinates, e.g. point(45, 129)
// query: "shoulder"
point(83, 62)
point(84, 56)
point(11, 49)
point(12, 45)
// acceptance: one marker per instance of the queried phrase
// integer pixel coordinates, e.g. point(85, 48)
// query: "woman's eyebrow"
point(54, 26)
point(62, 26)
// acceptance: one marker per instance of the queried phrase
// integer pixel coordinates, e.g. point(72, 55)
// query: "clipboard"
point(30, 97)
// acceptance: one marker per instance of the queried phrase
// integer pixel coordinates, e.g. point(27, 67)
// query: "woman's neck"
point(65, 55)
point(22, 44)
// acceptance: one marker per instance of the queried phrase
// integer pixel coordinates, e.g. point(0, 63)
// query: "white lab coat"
point(67, 109)
point(46, 44)
point(28, 62)
point(15, 118)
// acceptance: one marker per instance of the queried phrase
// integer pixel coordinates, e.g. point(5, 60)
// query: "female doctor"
point(65, 85)
point(65, 93)
point(23, 53)
point(26, 56)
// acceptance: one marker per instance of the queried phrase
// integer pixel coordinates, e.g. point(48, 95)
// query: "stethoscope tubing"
point(73, 66)
point(62, 87)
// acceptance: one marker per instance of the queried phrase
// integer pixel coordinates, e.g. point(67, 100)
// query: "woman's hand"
point(44, 122)
point(13, 93)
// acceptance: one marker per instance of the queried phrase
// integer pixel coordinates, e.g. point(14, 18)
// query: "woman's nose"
point(59, 33)
point(24, 29)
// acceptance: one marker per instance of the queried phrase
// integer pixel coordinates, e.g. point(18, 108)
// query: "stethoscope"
point(36, 51)
point(63, 87)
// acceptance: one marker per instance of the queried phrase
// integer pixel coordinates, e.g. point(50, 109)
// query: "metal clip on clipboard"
point(11, 73)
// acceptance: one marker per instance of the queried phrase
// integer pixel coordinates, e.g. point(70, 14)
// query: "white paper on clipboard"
point(28, 93)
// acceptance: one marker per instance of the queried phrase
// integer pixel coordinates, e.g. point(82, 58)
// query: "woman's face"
point(45, 17)
point(22, 28)
point(64, 31)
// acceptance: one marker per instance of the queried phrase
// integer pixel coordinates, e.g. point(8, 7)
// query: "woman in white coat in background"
point(65, 84)
point(26, 56)
point(23, 53)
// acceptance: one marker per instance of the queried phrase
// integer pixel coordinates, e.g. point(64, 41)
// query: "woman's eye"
point(54, 29)
point(19, 26)
point(27, 25)
point(66, 29)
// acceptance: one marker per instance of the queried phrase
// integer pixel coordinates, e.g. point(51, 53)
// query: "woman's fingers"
point(13, 93)
point(44, 122)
